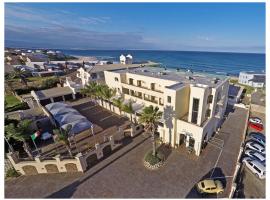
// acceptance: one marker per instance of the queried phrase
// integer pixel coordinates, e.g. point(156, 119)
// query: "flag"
point(35, 135)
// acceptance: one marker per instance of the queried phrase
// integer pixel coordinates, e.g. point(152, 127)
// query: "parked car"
point(255, 120)
point(256, 147)
point(257, 134)
point(255, 166)
point(257, 139)
point(255, 155)
point(258, 127)
point(210, 186)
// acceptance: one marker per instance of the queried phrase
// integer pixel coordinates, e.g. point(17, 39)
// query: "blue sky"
point(233, 27)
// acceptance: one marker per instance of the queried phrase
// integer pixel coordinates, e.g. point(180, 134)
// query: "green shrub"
point(12, 173)
point(152, 160)
point(49, 83)
point(21, 106)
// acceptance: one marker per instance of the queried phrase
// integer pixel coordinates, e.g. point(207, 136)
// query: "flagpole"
point(35, 146)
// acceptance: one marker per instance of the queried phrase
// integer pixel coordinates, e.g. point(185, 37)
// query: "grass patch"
point(11, 100)
point(12, 173)
point(248, 89)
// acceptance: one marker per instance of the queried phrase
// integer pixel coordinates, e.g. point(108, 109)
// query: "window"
point(160, 124)
point(94, 76)
point(131, 81)
point(195, 109)
point(257, 169)
point(208, 112)
point(116, 79)
point(169, 99)
point(210, 99)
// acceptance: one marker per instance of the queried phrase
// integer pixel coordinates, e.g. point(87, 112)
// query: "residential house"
point(252, 79)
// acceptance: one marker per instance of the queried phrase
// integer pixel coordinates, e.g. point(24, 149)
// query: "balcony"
point(143, 89)
point(151, 100)
point(136, 95)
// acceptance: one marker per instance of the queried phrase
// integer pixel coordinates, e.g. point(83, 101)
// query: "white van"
point(255, 166)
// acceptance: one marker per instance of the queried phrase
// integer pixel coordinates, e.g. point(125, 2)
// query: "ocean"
point(209, 62)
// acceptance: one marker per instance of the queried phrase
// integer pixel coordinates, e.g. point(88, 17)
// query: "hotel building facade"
point(193, 105)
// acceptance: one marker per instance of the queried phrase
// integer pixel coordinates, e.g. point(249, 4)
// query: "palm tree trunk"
point(27, 150)
point(154, 143)
point(9, 145)
point(131, 118)
point(69, 150)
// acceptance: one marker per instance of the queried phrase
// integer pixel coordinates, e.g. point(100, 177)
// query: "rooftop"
point(182, 77)
point(57, 91)
point(109, 67)
point(252, 72)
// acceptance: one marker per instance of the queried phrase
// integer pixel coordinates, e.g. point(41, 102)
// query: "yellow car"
point(210, 186)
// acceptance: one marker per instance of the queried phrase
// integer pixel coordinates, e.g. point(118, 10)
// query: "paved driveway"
point(122, 175)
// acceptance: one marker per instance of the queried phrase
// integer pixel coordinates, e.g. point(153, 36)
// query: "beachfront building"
point(252, 79)
point(123, 59)
point(193, 105)
point(126, 60)
point(90, 73)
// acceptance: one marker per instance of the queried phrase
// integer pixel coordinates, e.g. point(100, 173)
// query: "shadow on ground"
point(69, 190)
point(217, 173)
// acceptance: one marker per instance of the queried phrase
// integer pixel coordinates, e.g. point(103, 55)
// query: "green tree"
point(118, 103)
point(18, 73)
point(128, 109)
point(90, 90)
point(62, 136)
point(20, 133)
point(150, 117)
point(107, 93)
point(50, 82)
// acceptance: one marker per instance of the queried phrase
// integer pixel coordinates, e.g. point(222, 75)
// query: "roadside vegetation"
point(248, 89)
point(12, 173)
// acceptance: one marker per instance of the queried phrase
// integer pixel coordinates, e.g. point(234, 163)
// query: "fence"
point(59, 164)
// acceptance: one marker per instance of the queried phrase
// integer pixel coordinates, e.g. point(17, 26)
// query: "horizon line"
point(78, 49)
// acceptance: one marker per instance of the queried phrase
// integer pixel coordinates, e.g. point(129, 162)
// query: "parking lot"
point(122, 175)
point(249, 185)
point(105, 124)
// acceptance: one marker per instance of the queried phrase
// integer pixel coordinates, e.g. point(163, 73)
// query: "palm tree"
point(20, 133)
point(128, 109)
point(62, 136)
point(108, 93)
point(90, 90)
point(119, 104)
point(99, 92)
point(150, 117)
point(20, 74)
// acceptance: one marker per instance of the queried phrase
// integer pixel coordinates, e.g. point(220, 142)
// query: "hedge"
point(21, 106)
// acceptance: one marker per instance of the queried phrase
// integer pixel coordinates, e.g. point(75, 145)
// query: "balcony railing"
point(150, 100)
point(144, 87)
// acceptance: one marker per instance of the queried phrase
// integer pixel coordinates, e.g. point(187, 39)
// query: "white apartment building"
point(126, 60)
point(253, 79)
point(193, 105)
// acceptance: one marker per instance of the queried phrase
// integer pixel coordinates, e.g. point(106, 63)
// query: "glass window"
point(210, 99)
point(169, 99)
point(195, 108)
point(116, 79)
point(208, 111)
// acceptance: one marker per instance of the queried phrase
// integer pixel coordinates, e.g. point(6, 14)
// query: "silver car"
point(255, 166)
point(256, 147)
point(255, 155)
